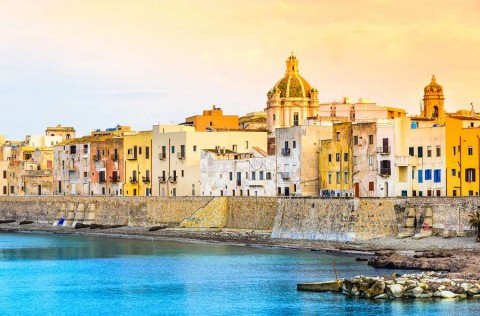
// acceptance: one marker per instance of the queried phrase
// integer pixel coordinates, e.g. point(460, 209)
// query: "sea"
point(49, 274)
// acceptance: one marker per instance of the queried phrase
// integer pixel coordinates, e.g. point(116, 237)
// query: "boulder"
point(381, 296)
point(466, 286)
point(394, 290)
point(447, 294)
point(426, 294)
point(473, 290)
point(415, 292)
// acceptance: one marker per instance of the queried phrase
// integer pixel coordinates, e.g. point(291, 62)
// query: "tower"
point(433, 102)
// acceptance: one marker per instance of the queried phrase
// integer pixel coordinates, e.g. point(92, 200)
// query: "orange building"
point(212, 119)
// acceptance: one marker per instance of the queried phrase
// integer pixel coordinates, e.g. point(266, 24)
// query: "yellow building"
point(138, 163)
point(335, 170)
point(212, 119)
point(463, 155)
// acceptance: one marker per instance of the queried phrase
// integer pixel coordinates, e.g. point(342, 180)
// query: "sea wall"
point(289, 218)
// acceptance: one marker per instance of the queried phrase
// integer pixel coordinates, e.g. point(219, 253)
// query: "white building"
point(297, 152)
point(177, 151)
point(227, 173)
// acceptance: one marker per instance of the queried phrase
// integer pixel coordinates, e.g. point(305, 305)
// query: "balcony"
point(385, 172)
point(172, 179)
point(133, 180)
point(285, 151)
point(38, 173)
point(96, 158)
point(162, 156)
point(114, 179)
point(114, 157)
point(146, 179)
point(405, 161)
point(383, 150)
point(181, 155)
point(285, 175)
point(256, 183)
point(162, 179)
point(102, 180)
point(131, 156)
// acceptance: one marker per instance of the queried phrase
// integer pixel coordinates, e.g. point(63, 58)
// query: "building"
point(38, 176)
point(107, 166)
point(292, 99)
point(4, 177)
point(138, 163)
point(364, 159)
point(228, 173)
point(297, 158)
point(118, 130)
point(177, 151)
point(212, 120)
point(463, 154)
point(254, 121)
point(62, 131)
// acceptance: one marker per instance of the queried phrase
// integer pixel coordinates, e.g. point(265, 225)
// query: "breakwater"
point(287, 218)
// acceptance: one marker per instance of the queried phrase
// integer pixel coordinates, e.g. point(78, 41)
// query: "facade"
point(212, 120)
point(112, 131)
point(364, 159)
point(253, 121)
point(177, 153)
point(62, 131)
point(38, 176)
point(138, 164)
point(292, 100)
point(463, 155)
point(297, 158)
point(228, 173)
point(107, 167)
point(4, 177)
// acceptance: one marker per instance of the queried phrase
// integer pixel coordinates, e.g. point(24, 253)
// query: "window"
point(429, 151)
point(411, 151)
point(345, 157)
point(274, 117)
point(183, 174)
point(404, 193)
point(286, 144)
point(470, 150)
point(454, 172)
point(355, 160)
point(147, 152)
point(4, 174)
point(329, 157)
point(371, 160)
point(371, 186)
point(355, 140)
point(454, 193)
point(454, 151)
point(470, 192)
point(420, 176)
point(295, 119)
point(139, 150)
point(337, 157)
point(370, 139)
point(329, 178)
point(246, 144)
point(346, 177)
point(182, 151)
point(439, 151)
point(234, 148)
point(269, 176)
point(338, 135)
point(339, 177)
point(294, 145)
point(437, 176)
point(253, 175)
point(420, 152)
point(470, 175)
point(4, 190)
point(194, 147)
point(428, 174)
point(231, 176)
point(173, 149)
point(260, 175)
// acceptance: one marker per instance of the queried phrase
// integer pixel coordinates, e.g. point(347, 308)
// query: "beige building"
point(62, 131)
point(177, 151)
point(4, 177)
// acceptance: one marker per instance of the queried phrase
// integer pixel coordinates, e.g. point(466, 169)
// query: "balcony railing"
point(131, 156)
point(146, 179)
point(162, 156)
point(102, 180)
point(133, 180)
point(181, 155)
point(114, 179)
point(383, 150)
point(385, 172)
point(285, 175)
point(96, 158)
point(115, 157)
point(172, 179)
point(162, 179)
point(285, 151)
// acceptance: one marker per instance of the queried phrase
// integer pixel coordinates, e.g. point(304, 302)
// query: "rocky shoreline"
point(420, 285)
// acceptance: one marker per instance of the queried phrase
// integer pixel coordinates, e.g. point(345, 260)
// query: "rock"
point(394, 290)
point(473, 290)
point(7, 221)
point(434, 286)
point(462, 296)
point(26, 222)
point(381, 296)
point(447, 294)
point(155, 228)
point(347, 287)
point(80, 225)
point(476, 296)
point(361, 259)
point(378, 288)
point(415, 292)
point(426, 294)
point(466, 286)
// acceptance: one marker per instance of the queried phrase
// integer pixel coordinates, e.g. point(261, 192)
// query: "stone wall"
point(251, 212)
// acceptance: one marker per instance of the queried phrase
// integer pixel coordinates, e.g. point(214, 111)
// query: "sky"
point(96, 64)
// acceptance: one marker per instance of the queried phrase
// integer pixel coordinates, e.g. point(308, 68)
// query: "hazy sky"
point(95, 64)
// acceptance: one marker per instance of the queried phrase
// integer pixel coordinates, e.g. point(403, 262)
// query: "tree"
point(474, 221)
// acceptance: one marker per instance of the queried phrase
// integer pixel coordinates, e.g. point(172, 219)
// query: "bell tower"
point(433, 102)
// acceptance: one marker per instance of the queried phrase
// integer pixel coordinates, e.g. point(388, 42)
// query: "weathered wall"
point(251, 212)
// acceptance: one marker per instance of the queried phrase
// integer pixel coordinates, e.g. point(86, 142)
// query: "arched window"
point(67, 136)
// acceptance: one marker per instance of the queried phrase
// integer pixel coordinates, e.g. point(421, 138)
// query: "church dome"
point(433, 87)
point(292, 85)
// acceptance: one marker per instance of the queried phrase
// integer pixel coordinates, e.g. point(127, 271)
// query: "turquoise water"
point(78, 275)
